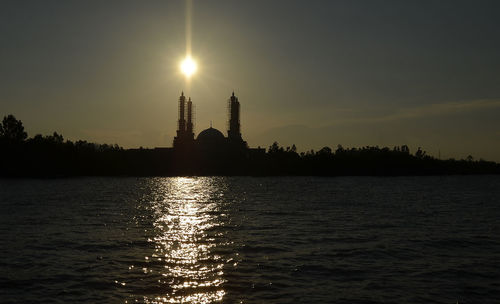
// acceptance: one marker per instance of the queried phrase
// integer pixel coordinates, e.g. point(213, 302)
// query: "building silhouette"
point(211, 140)
point(233, 133)
point(185, 135)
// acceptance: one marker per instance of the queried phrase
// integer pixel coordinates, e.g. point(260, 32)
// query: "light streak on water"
point(184, 212)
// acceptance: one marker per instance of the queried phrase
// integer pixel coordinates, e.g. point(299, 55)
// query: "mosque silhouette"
point(211, 141)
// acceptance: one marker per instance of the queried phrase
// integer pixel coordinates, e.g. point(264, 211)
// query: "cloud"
point(431, 110)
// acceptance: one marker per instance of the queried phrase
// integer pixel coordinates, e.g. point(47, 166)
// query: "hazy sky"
point(313, 73)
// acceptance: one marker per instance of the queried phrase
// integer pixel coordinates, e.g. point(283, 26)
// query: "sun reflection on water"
point(184, 213)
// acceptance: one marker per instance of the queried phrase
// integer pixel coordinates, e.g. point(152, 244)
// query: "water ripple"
point(250, 240)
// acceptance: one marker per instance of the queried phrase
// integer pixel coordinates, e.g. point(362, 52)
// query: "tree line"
point(53, 156)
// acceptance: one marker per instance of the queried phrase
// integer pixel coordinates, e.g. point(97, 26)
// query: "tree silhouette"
point(420, 153)
point(53, 156)
point(325, 151)
point(12, 129)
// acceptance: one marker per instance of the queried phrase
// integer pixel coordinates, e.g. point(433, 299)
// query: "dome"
point(210, 137)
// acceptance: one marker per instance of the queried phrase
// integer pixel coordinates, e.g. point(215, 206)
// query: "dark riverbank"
point(53, 157)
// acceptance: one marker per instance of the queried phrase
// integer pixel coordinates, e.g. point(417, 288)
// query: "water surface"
point(251, 240)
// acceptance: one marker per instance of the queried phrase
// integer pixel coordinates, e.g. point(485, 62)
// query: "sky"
point(311, 73)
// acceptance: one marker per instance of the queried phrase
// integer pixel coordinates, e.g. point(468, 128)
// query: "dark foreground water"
point(251, 240)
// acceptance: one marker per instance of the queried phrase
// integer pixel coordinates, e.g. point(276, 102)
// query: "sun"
point(188, 66)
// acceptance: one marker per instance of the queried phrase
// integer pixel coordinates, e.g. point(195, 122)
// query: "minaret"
point(189, 128)
point(185, 135)
point(182, 121)
point(234, 133)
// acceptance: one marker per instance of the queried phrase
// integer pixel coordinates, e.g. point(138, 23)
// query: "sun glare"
point(188, 66)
